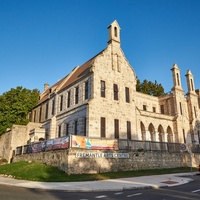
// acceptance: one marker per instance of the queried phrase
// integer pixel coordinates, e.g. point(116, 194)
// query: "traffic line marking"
point(132, 195)
point(100, 197)
point(118, 193)
point(196, 191)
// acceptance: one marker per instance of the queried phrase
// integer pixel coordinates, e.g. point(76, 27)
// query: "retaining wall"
point(72, 161)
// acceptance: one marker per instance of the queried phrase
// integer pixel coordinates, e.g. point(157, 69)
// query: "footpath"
point(142, 182)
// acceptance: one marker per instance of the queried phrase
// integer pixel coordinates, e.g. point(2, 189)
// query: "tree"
point(148, 87)
point(15, 106)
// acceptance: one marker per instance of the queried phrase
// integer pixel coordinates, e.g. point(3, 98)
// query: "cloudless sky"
point(41, 41)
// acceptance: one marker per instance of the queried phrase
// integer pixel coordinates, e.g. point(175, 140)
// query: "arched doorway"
point(151, 129)
point(169, 135)
point(161, 134)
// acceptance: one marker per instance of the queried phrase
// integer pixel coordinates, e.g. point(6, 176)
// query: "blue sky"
point(41, 41)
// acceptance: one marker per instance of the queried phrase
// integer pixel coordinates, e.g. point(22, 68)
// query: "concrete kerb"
point(134, 183)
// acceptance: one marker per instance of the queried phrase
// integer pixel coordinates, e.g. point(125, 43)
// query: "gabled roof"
point(76, 74)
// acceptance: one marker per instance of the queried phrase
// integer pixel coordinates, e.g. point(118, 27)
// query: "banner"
point(61, 143)
point(97, 144)
point(49, 145)
point(38, 147)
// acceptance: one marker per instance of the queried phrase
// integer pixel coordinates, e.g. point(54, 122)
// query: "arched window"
point(115, 30)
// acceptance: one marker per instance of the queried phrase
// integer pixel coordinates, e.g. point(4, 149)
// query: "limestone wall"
point(67, 161)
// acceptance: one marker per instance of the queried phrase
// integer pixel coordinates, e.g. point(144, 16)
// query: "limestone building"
point(99, 99)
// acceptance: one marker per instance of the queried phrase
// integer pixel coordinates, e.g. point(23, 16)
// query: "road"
point(190, 191)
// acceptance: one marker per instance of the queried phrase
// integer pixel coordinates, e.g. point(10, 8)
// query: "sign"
point(101, 155)
point(183, 147)
point(91, 143)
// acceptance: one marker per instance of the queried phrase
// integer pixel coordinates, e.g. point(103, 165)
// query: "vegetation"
point(148, 87)
point(15, 106)
point(40, 172)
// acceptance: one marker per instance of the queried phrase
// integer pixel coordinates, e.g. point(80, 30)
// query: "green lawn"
point(40, 172)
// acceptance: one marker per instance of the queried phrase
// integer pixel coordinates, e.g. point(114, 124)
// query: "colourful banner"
point(38, 147)
point(61, 143)
point(97, 144)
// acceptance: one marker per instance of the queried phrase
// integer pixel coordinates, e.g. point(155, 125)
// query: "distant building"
point(99, 99)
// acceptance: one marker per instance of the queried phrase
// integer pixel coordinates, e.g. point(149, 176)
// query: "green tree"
point(148, 87)
point(15, 106)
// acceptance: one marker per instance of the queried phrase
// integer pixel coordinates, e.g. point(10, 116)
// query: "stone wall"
point(67, 161)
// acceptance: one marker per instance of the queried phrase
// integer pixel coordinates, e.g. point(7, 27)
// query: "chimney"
point(46, 86)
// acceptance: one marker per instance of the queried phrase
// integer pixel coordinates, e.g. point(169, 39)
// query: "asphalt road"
point(190, 191)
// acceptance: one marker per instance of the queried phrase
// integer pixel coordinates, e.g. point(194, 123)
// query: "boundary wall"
point(79, 161)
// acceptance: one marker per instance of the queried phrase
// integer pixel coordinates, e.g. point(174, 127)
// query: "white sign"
point(183, 147)
point(101, 155)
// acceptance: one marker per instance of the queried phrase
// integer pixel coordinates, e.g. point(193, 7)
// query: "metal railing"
point(195, 148)
point(148, 146)
point(124, 144)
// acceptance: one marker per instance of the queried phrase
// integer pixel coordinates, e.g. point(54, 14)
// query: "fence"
point(148, 146)
point(102, 144)
point(195, 148)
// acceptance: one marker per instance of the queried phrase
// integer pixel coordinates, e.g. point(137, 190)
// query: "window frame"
point(127, 94)
point(116, 128)
point(103, 127)
point(116, 91)
point(103, 89)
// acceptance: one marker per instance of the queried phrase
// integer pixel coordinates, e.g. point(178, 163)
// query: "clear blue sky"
point(41, 41)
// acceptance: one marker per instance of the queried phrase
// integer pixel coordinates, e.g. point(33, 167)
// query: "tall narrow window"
point(75, 127)
point(84, 127)
point(129, 130)
point(68, 99)
point(127, 95)
point(154, 109)
point(162, 109)
point(76, 94)
point(115, 31)
point(116, 122)
point(144, 107)
point(34, 117)
point(40, 117)
point(184, 139)
point(86, 90)
point(59, 131)
point(47, 109)
point(103, 127)
point(115, 88)
point(61, 102)
point(47, 134)
point(67, 129)
point(178, 82)
point(53, 107)
point(192, 86)
point(195, 112)
point(180, 108)
point(103, 89)
point(199, 136)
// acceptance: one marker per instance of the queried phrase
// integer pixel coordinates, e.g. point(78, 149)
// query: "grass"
point(40, 172)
